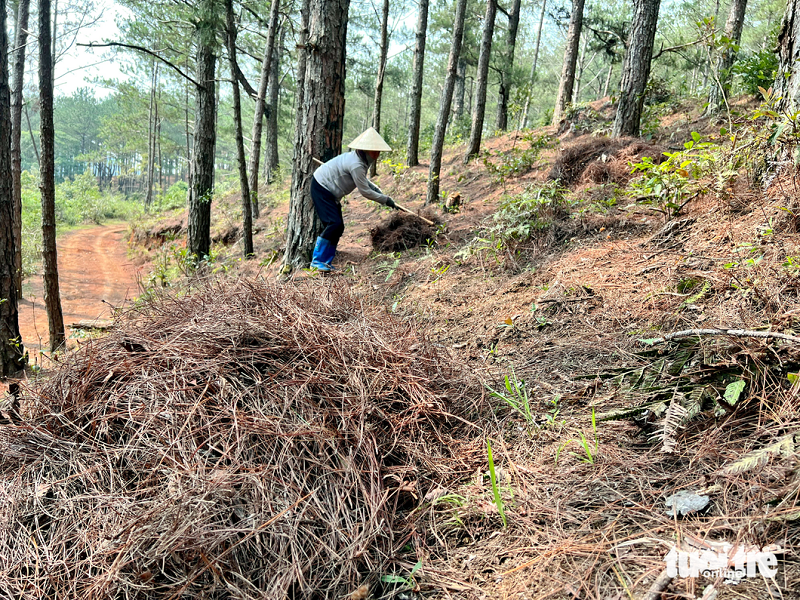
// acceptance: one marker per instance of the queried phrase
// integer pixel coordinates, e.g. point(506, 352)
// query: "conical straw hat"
point(370, 140)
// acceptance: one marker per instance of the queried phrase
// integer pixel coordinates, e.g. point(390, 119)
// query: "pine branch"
point(251, 91)
point(146, 51)
point(731, 332)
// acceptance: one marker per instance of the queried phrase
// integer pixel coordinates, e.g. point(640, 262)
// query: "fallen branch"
point(731, 332)
point(101, 324)
point(658, 587)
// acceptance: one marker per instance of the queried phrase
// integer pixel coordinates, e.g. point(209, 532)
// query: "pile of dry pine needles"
point(242, 441)
point(402, 231)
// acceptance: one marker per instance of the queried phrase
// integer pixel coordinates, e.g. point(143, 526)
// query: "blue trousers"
point(329, 212)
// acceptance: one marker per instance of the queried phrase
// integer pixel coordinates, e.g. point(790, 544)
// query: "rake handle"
point(403, 208)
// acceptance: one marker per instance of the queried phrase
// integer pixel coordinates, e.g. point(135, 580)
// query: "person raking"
point(337, 178)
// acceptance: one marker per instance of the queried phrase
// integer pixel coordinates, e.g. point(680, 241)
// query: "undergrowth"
point(519, 218)
point(518, 160)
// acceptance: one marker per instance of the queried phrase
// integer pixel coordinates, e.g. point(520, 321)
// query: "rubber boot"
point(324, 252)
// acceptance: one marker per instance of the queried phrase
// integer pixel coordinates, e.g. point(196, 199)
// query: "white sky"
point(80, 65)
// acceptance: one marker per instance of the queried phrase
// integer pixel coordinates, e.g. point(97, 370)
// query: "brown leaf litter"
point(238, 440)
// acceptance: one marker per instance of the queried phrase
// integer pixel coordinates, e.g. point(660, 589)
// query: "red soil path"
point(94, 275)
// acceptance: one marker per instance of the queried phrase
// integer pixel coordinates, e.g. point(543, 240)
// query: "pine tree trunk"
point(11, 350)
point(524, 121)
point(576, 97)
point(636, 69)
point(188, 133)
point(18, 75)
point(718, 97)
point(479, 111)
point(247, 220)
point(567, 81)
point(258, 116)
point(151, 139)
point(416, 89)
point(320, 117)
point(52, 296)
point(376, 112)
point(271, 159)
point(158, 146)
point(205, 133)
point(507, 70)
point(608, 80)
point(444, 108)
point(787, 80)
point(460, 90)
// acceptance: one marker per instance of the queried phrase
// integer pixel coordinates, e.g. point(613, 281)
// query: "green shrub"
point(668, 185)
point(757, 70)
point(518, 160)
point(175, 196)
point(522, 215)
point(520, 218)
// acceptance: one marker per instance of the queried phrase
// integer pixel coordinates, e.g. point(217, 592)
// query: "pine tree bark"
point(460, 90)
point(416, 90)
point(479, 111)
point(11, 351)
point(636, 69)
point(271, 158)
point(247, 214)
point(507, 69)
point(188, 132)
point(47, 185)
point(787, 80)
point(205, 131)
point(576, 96)
point(532, 79)
point(567, 81)
point(151, 138)
point(444, 107)
point(378, 103)
point(18, 75)
point(717, 96)
point(320, 117)
point(258, 117)
point(608, 80)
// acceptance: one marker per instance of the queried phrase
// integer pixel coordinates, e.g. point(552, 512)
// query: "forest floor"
point(565, 311)
point(95, 276)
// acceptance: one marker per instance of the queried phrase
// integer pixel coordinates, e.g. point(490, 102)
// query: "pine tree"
point(507, 68)
point(787, 79)
point(47, 185)
point(21, 29)
point(258, 115)
point(444, 107)
point(10, 346)
point(567, 81)
point(479, 112)
point(718, 96)
point(412, 158)
point(247, 221)
point(532, 79)
point(636, 70)
point(320, 117)
point(205, 129)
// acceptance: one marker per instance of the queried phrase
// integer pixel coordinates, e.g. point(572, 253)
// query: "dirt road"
point(94, 271)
